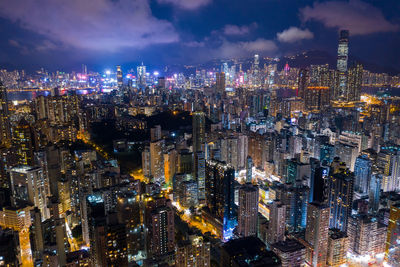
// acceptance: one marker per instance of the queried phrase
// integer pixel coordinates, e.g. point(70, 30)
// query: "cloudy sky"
point(99, 33)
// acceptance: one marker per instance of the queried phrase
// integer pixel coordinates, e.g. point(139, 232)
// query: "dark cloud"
point(230, 49)
point(357, 16)
point(239, 30)
point(294, 34)
point(186, 4)
point(103, 25)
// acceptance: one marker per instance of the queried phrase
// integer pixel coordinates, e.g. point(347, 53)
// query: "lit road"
point(25, 245)
point(86, 139)
point(138, 175)
point(195, 221)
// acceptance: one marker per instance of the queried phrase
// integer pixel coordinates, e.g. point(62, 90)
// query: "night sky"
point(100, 33)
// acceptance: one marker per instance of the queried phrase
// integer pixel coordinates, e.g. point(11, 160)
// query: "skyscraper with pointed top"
point(342, 58)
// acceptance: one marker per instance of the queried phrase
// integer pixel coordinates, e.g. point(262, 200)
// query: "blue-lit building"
point(341, 183)
point(318, 182)
point(220, 196)
point(249, 169)
point(362, 175)
point(327, 153)
point(295, 198)
point(374, 192)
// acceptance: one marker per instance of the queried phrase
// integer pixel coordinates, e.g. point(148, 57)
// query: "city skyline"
point(120, 150)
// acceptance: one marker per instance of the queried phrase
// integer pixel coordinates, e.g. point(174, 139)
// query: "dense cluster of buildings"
point(261, 178)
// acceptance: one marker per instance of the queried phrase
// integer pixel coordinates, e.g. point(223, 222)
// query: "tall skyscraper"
point(303, 82)
point(119, 77)
point(249, 169)
point(199, 130)
point(354, 81)
point(160, 224)
point(155, 133)
point(5, 128)
point(220, 195)
point(374, 192)
point(342, 58)
point(362, 176)
point(317, 231)
point(156, 159)
point(340, 198)
point(248, 210)
point(318, 182)
point(96, 222)
point(338, 245)
point(277, 222)
point(200, 174)
point(29, 184)
point(220, 82)
point(316, 88)
point(198, 135)
point(24, 142)
point(141, 76)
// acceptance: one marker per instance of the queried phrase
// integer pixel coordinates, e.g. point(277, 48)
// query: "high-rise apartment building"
point(5, 128)
point(248, 210)
point(277, 222)
point(29, 184)
point(220, 196)
point(340, 198)
point(220, 82)
point(119, 77)
point(24, 141)
point(362, 176)
point(338, 245)
point(317, 232)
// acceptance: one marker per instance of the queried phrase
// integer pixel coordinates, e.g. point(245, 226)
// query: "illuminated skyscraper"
point(141, 76)
point(277, 222)
point(248, 210)
point(317, 231)
point(5, 130)
point(198, 135)
point(314, 87)
point(249, 169)
point(340, 198)
point(199, 130)
point(338, 245)
point(156, 159)
point(256, 64)
point(159, 220)
point(303, 83)
point(24, 142)
point(220, 195)
point(374, 192)
point(119, 77)
point(30, 185)
point(354, 81)
point(362, 175)
point(220, 82)
point(342, 58)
